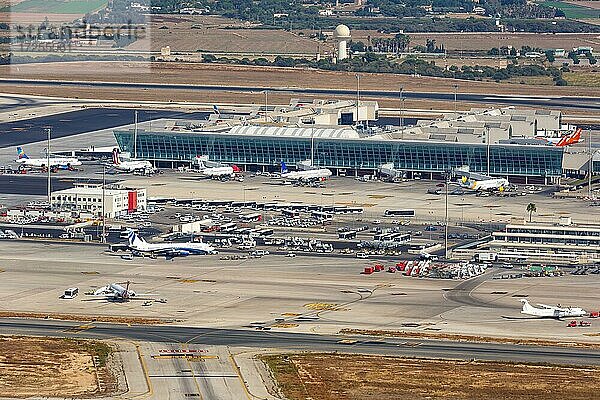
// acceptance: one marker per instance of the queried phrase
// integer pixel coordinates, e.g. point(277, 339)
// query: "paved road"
point(585, 103)
point(76, 122)
point(300, 341)
point(463, 292)
point(32, 184)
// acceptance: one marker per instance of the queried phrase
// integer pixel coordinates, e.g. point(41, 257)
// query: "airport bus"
point(399, 237)
point(400, 213)
point(322, 216)
point(226, 228)
point(251, 217)
point(347, 235)
point(348, 210)
point(290, 213)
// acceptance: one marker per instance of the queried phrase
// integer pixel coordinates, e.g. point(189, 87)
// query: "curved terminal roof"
point(303, 132)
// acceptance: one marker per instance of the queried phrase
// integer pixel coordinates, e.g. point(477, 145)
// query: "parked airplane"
point(568, 140)
point(491, 184)
point(565, 140)
point(140, 246)
point(319, 174)
point(116, 292)
point(42, 163)
point(129, 165)
point(551, 311)
point(219, 172)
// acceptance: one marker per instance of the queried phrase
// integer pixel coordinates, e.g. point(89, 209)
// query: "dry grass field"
point(590, 79)
point(217, 34)
point(485, 41)
point(43, 367)
point(361, 377)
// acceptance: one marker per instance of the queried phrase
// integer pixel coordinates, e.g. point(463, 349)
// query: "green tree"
point(531, 208)
point(550, 56)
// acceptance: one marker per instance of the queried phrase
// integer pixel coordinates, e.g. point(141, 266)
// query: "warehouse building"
point(88, 198)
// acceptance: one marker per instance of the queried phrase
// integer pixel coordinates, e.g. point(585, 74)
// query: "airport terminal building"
point(485, 143)
point(351, 156)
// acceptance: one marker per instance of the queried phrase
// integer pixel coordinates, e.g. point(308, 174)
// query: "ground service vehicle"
point(70, 293)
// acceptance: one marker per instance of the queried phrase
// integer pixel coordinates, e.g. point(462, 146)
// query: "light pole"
point(487, 137)
point(446, 217)
point(48, 131)
point(455, 96)
point(103, 240)
point(591, 167)
point(357, 96)
point(266, 103)
point(402, 112)
point(135, 134)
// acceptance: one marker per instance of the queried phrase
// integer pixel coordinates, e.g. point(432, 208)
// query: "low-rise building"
point(88, 198)
point(557, 244)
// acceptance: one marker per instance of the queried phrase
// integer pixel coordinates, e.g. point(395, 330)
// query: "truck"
point(486, 256)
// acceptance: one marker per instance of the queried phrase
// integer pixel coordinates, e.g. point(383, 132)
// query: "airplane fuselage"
point(307, 175)
point(44, 162)
point(132, 166)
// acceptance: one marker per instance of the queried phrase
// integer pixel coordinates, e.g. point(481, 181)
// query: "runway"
point(77, 122)
point(300, 341)
point(583, 103)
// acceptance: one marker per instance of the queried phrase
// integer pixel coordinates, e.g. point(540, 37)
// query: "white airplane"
point(492, 184)
point(55, 162)
point(170, 250)
point(307, 175)
point(217, 172)
point(116, 292)
point(551, 311)
point(130, 166)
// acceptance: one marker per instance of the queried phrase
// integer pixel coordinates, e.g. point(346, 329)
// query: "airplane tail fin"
point(21, 153)
point(115, 156)
point(576, 137)
point(527, 308)
point(236, 168)
point(573, 138)
point(284, 168)
point(133, 239)
point(562, 142)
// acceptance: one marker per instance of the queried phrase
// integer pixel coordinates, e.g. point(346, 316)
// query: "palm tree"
point(531, 208)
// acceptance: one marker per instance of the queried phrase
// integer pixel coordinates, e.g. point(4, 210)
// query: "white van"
point(70, 293)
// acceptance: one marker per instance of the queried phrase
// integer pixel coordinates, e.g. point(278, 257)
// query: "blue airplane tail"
point(284, 169)
point(20, 153)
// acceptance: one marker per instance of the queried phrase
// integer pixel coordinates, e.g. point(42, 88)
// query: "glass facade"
point(419, 156)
